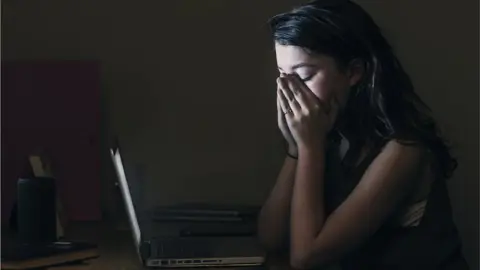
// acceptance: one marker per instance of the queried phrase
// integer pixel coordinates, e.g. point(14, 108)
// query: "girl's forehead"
point(289, 57)
point(289, 52)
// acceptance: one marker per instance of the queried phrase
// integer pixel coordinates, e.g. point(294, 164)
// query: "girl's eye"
point(306, 78)
point(305, 74)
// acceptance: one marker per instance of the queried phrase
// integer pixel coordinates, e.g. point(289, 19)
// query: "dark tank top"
point(433, 244)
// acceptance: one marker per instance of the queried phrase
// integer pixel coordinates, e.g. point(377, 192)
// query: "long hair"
point(383, 105)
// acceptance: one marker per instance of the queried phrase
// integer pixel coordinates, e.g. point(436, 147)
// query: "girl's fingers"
point(288, 95)
point(285, 107)
point(299, 96)
point(279, 109)
point(303, 91)
point(283, 85)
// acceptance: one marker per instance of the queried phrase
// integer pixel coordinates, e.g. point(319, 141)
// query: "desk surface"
point(116, 247)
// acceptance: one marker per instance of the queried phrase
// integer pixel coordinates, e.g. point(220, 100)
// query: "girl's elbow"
point(270, 243)
point(300, 261)
point(307, 260)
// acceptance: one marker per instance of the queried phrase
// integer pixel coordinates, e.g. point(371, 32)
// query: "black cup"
point(36, 209)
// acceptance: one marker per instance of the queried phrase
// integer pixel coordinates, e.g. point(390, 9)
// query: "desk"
point(116, 247)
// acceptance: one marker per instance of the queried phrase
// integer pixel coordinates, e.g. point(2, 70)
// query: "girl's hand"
point(287, 135)
point(283, 126)
point(309, 119)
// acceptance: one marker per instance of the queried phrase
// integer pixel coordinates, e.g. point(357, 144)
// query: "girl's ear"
point(355, 71)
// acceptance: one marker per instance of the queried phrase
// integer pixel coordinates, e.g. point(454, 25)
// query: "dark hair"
point(383, 105)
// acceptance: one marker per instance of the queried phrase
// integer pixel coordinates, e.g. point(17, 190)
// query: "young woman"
point(363, 182)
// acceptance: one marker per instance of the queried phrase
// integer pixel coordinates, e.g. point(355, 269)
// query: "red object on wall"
point(53, 108)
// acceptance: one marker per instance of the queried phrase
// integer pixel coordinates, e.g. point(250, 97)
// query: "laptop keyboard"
point(178, 247)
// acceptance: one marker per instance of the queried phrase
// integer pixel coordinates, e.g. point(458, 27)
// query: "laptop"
point(163, 246)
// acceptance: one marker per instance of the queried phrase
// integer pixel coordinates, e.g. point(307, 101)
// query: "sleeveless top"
point(434, 242)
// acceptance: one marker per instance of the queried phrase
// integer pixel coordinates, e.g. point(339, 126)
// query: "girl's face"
point(319, 72)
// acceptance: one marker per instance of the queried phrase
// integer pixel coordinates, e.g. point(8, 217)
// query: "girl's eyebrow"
point(299, 65)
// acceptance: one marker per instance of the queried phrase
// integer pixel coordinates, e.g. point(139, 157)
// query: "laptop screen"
point(127, 198)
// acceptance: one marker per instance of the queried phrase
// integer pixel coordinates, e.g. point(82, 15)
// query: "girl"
point(363, 180)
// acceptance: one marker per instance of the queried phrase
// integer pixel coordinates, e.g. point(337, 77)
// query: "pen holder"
point(36, 209)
